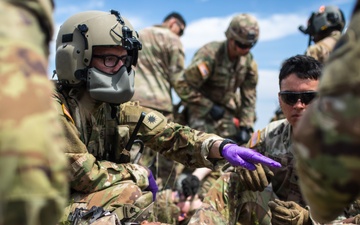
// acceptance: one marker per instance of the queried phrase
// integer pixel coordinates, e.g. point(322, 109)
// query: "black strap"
point(223, 143)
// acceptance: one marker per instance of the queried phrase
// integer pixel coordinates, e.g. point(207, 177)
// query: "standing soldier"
point(96, 55)
point(33, 187)
point(160, 62)
point(219, 86)
point(327, 139)
point(324, 29)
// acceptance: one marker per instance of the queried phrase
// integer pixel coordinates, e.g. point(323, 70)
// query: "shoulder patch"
point(66, 113)
point(152, 120)
point(204, 71)
point(255, 139)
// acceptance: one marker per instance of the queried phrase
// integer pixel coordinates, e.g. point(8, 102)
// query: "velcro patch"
point(255, 139)
point(66, 113)
point(204, 71)
point(152, 120)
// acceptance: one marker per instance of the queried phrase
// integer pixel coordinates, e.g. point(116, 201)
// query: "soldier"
point(219, 86)
point(33, 168)
point(327, 137)
point(298, 80)
point(160, 62)
point(96, 54)
point(220, 83)
point(324, 29)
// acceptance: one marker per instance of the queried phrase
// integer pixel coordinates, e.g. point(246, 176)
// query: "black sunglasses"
point(291, 98)
point(243, 46)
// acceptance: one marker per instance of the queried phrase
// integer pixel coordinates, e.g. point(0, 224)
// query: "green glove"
point(255, 180)
point(288, 213)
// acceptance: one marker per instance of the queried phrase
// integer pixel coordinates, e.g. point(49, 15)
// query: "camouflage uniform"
point(327, 137)
point(33, 188)
point(213, 78)
point(321, 49)
point(100, 168)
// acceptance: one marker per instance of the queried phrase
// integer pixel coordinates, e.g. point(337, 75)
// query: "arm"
point(187, 85)
point(185, 145)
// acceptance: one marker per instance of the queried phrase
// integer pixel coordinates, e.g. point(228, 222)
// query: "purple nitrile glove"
point(152, 185)
point(245, 157)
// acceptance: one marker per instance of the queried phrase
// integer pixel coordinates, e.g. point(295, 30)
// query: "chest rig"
point(101, 131)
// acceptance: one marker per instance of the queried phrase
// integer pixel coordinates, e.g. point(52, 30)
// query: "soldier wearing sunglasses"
point(298, 81)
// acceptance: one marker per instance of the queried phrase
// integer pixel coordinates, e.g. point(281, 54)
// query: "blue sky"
point(207, 21)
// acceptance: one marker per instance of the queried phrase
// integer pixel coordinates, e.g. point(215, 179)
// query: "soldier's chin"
point(294, 120)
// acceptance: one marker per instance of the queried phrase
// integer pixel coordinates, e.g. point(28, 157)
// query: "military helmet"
point(243, 28)
point(82, 31)
point(327, 18)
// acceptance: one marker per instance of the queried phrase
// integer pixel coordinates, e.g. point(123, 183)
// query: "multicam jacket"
point(96, 141)
point(160, 63)
point(33, 168)
point(212, 78)
point(274, 141)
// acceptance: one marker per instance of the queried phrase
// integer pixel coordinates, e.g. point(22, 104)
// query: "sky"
point(207, 21)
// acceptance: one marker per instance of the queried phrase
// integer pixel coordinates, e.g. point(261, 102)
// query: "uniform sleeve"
point(248, 96)
point(318, 52)
point(187, 86)
point(89, 174)
point(176, 142)
point(326, 149)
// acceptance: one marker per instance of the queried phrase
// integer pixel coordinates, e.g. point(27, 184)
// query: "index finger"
point(256, 157)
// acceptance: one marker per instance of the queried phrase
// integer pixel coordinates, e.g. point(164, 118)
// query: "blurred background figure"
point(218, 90)
point(219, 86)
point(160, 62)
point(33, 187)
point(324, 28)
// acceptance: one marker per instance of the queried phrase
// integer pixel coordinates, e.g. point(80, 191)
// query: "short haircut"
point(304, 67)
point(176, 16)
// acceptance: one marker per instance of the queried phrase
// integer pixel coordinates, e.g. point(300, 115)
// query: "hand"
point(288, 213)
point(254, 180)
point(245, 157)
point(217, 112)
point(190, 185)
point(152, 185)
point(243, 135)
